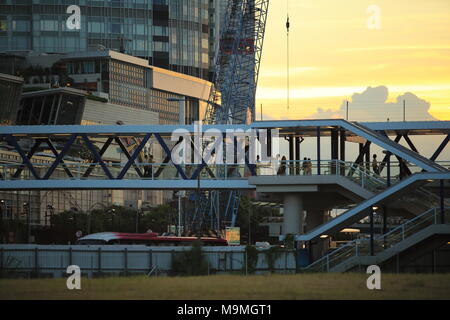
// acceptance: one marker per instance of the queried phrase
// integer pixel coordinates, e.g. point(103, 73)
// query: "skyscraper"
point(171, 34)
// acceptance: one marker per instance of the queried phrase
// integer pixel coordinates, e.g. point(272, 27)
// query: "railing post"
point(356, 249)
point(328, 263)
point(362, 179)
point(36, 261)
point(150, 260)
point(318, 151)
point(125, 252)
point(442, 203)
point(403, 231)
point(99, 256)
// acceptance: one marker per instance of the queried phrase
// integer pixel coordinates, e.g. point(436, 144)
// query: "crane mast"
point(237, 63)
point(232, 98)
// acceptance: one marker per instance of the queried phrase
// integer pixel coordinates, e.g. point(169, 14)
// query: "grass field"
point(270, 287)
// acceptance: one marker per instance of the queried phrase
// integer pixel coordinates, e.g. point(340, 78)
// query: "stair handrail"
point(355, 242)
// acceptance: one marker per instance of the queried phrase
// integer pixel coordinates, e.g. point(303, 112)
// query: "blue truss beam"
point(60, 156)
point(133, 158)
point(10, 139)
point(97, 157)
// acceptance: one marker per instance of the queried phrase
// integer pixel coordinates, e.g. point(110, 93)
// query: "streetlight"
point(27, 209)
point(50, 209)
point(112, 211)
point(2, 202)
point(182, 102)
point(180, 195)
point(3, 208)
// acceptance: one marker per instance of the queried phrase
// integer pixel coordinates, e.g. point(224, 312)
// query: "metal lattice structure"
point(237, 63)
point(232, 99)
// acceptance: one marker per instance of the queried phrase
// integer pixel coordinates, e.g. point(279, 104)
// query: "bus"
point(148, 239)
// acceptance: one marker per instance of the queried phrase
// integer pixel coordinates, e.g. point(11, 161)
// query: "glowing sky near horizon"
point(333, 54)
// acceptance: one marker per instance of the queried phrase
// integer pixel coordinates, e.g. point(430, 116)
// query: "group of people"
point(306, 166)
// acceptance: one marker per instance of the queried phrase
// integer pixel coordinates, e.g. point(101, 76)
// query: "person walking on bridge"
point(375, 166)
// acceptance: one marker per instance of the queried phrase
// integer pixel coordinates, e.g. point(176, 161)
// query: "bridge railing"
point(361, 247)
point(360, 173)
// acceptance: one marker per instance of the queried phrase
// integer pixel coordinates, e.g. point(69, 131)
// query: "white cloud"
point(372, 105)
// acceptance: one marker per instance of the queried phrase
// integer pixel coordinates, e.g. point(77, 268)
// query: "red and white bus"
point(148, 239)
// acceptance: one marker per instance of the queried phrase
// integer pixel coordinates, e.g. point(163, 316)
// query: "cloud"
point(372, 105)
point(395, 48)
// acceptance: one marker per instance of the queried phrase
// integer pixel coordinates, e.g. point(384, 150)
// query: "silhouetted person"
point(282, 168)
point(375, 165)
point(305, 166)
point(309, 167)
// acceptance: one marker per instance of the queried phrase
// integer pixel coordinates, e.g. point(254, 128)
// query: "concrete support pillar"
point(293, 214)
point(319, 247)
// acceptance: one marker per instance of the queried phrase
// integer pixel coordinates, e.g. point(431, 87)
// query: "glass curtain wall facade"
point(171, 34)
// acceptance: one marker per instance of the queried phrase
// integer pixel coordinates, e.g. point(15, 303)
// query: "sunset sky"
point(334, 55)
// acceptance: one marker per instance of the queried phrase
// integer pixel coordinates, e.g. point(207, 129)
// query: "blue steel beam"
point(355, 128)
point(427, 127)
point(127, 154)
point(360, 211)
point(10, 139)
point(133, 158)
point(33, 150)
point(169, 155)
point(97, 157)
point(125, 185)
point(60, 156)
point(101, 153)
point(440, 148)
point(56, 154)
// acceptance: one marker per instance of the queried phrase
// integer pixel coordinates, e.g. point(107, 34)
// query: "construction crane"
point(232, 98)
point(237, 63)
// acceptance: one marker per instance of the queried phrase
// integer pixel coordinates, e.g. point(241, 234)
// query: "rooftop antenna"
point(288, 25)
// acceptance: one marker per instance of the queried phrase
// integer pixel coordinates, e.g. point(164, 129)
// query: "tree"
point(250, 217)
point(157, 219)
point(191, 262)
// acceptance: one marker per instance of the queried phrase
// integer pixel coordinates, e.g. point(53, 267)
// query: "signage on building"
point(233, 236)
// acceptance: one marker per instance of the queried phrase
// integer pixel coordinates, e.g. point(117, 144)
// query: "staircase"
point(357, 252)
point(393, 147)
point(408, 185)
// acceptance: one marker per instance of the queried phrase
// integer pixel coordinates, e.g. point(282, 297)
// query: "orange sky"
point(334, 54)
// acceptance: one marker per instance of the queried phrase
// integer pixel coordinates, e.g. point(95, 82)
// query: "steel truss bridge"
point(62, 173)
point(167, 175)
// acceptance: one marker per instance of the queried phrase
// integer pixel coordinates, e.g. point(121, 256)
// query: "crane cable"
point(288, 25)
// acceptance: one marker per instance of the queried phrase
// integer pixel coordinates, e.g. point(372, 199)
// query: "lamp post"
point(182, 121)
point(2, 203)
point(27, 209)
point(112, 211)
point(50, 209)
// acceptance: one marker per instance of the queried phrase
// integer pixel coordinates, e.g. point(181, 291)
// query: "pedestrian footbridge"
point(328, 183)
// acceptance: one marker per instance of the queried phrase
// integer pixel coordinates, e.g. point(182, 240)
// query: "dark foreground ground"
point(270, 287)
